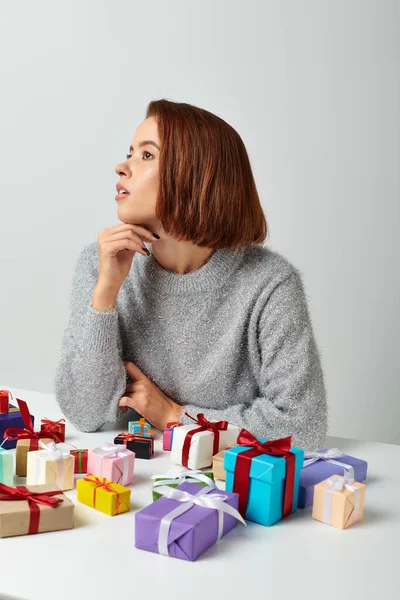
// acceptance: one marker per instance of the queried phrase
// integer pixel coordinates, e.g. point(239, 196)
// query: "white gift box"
point(201, 445)
point(50, 466)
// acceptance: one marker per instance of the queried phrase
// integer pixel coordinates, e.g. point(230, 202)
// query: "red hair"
point(207, 194)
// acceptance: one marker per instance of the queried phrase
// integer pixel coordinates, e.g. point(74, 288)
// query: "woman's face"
point(139, 175)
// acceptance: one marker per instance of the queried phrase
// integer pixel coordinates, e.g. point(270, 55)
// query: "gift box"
point(143, 447)
point(112, 461)
point(4, 401)
point(50, 465)
point(6, 467)
point(175, 477)
point(25, 446)
point(266, 476)
point(34, 509)
point(193, 446)
point(318, 466)
point(168, 434)
point(80, 460)
point(339, 501)
point(186, 520)
point(57, 427)
point(104, 495)
point(11, 420)
point(218, 465)
point(141, 427)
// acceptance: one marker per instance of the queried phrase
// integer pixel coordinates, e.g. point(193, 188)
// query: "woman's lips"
point(121, 196)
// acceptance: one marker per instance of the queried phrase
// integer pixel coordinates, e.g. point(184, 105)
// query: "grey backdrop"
point(313, 89)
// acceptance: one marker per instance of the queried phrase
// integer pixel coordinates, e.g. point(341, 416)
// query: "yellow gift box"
point(104, 495)
point(338, 501)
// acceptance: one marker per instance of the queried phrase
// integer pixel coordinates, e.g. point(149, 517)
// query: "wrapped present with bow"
point(4, 401)
point(186, 520)
point(168, 434)
point(34, 509)
point(103, 495)
point(112, 461)
point(26, 438)
point(81, 458)
point(6, 466)
point(143, 447)
point(218, 465)
point(193, 446)
point(174, 478)
point(266, 476)
point(50, 465)
point(321, 465)
point(142, 427)
point(339, 501)
point(57, 427)
point(11, 418)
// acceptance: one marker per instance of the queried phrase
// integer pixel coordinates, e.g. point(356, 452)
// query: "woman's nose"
point(120, 169)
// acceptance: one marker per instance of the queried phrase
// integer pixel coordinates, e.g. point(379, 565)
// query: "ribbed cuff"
point(100, 332)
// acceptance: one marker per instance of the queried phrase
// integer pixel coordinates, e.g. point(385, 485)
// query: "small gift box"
point(265, 475)
point(34, 509)
point(339, 501)
point(6, 467)
point(321, 465)
point(186, 520)
point(80, 460)
point(175, 477)
point(50, 465)
point(218, 465)
point(193, 446)
point(142, 427)
point(4, 401)
point(27, 439)
point(168, 434)
point(143, 447)
point(57, 427)
point(11, 420)
point(113, 462)
point(104, 495)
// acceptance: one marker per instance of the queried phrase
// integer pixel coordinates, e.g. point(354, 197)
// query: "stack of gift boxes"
point(265, 480)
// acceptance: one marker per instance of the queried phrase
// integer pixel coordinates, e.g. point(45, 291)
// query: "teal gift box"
point(6, 467)
point(142, 427)
point(267, 481)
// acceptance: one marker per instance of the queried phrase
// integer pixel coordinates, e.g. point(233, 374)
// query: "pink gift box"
point(112, 461)
point(168, 434)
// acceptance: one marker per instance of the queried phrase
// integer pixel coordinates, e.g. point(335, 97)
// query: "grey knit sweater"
point(233, 339)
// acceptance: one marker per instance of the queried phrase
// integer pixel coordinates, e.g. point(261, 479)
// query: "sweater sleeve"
point(292, 394)
point(90, 377)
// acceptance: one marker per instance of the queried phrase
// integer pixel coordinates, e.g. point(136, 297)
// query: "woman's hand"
point(148, 400)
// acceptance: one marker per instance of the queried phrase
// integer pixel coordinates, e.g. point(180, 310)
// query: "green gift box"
point(175, 477)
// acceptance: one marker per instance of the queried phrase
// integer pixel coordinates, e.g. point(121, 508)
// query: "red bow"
point(105, 485)
point(16, 433)
point(56, 426)
point(173, 424)
point(241, 481)
point(215, 427)
point(20, 492)
point(128, 437)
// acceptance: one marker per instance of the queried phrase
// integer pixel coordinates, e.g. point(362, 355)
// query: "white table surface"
point(296, 558)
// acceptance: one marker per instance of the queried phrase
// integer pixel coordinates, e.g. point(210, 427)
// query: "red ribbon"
point(173, 424)
point(16, 433)
point(128, 437)
point(215, 427)
point(105, 485)
point(241, 480)
point(56, 426)
point(4, 401)
point(20, 492)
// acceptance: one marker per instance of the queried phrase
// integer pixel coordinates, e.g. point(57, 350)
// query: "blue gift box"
point(267, 483)
point(11, 419)
point(134, 427)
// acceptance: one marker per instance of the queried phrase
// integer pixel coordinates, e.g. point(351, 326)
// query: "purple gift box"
point(190, 533)
point(11, 419)
point(322, 469)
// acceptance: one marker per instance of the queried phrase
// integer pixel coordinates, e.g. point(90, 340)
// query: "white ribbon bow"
point(177, 476)
point(110, 451)
point(187, 500)
point(338, 484)
point(54, 452)
point(328, 456)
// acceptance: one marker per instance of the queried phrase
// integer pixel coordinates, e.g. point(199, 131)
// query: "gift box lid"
point(264, 467)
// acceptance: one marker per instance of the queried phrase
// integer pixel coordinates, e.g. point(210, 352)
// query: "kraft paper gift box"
point(143, 447)
point(50, 465)
point(218, 465)
point(57, 427)
point(21, 455)
point(80, 458)
point(318, 466)
point(268, 485)
point(193, 446)
point(11, 420)
point(193, 528)
point(175, 477)
point(168, 434)
point(6, 467)
point(103, 495)
point(48, 509)
point(142, 427)
point(339, 501)
point(112, 461)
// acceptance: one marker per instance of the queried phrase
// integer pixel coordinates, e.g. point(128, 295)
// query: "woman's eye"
point(128, 156)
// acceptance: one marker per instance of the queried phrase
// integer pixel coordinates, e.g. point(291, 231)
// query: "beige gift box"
point(218, 466)
point(338, 502)
point(23, 447)
point(51, 466)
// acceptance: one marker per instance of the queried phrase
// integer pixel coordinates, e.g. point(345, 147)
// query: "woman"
point(210, 320)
